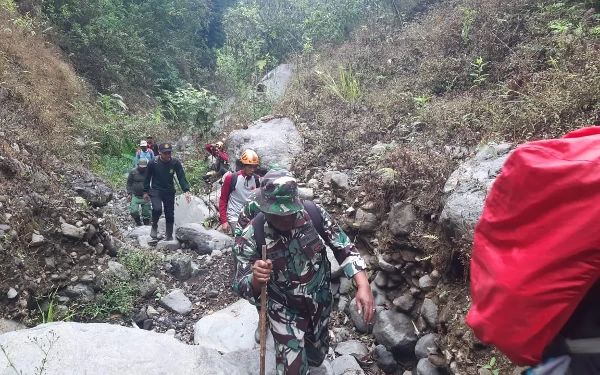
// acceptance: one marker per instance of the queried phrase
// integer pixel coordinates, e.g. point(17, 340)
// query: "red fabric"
point(214, 151)
point(536, 249)
point(225, 189)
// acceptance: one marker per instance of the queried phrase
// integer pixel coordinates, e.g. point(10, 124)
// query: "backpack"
point(234, 177)
point(536, 247)
point(258, 224)
point(139, 153)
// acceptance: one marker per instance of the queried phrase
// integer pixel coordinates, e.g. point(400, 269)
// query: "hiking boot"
point(154, 231)
point(146, 221)
point(169, 232)
point(138, 221)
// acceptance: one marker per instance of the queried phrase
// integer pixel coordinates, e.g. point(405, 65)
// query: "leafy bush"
point(139, 263)
point(195, 169)
point(117, 296)
point(193, 109)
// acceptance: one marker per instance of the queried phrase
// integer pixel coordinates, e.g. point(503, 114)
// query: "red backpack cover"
point(536, 249)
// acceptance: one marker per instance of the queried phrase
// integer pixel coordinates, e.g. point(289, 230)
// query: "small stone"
point(177, 301)
point(425, 367)
point(426, 283)
point(72, 231)
point(37, 240)
point(12, 293)
point(118, 270)
point(50, 263)
point(342, 303)
point(170, 332)
point(151, 312)
point(212, 294)
point(346, 364)
point(147, 325)
point(425, 345)
point(381, 279)
point(353, 348)
point(99, 249)
point(429, 311)
point(404, 303)
point(182, 267)
point(385, 360)
point(484, 371)
point(148, 287)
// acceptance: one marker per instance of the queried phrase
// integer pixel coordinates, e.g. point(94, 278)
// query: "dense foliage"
point(131, 44)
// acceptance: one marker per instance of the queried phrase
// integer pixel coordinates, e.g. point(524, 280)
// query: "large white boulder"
point(99, 349)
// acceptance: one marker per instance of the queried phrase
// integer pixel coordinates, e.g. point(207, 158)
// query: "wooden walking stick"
point(263, 318)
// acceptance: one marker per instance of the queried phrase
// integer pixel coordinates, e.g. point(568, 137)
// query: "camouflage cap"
point(278, 194)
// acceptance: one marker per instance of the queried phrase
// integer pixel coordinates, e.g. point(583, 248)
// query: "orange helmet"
point(220, 144)
point(249, 157)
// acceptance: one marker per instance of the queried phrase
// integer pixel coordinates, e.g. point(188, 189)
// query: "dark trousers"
point(160, 198)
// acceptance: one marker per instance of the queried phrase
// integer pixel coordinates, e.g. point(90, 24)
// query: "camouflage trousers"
point(300, 341)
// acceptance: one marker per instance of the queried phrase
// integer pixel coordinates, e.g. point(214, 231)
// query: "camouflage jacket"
point(301, 271)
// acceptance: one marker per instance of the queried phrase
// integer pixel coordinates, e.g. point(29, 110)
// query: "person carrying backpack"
point(143, 153)
point(535, 263)
point(152, 145)
point(236, 188)
point(297, 272)
point(159, 187)
point(135, 193)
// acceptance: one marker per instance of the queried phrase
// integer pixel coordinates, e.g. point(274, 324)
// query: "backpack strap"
point(256, 181)
point(234, 177)
point(258, 224)
point(316, 218)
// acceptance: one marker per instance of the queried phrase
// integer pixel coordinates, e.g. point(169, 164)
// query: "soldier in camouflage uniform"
point(297, 273)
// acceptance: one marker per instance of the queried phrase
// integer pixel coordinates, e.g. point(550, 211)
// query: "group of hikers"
point(266, 211)
point(533, 289)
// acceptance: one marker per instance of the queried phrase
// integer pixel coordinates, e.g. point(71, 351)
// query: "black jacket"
point(161, 176)
point(135, 182)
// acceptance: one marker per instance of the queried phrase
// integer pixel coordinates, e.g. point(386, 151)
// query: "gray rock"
point(250, 358)
point(358, 320)
point(276, 81)
point(212, 294)
point(10, 326)
point(467, 187)
point(426, 283)
point(325, 369)
point(72, 231)
point(230, 329)
point(484, 371)
point(381, 279)
point(116, 269)
point(429, 311)
point(94, 191)
point(37, 240)
point(151, 312)
point(424, 367)
point(202, 240)
point(306, 194)
point(12, 293)
point(339, 182)
point(365, 221)
point(342, 303)
point(197, 211)
point(168, 245)
point(182, 267)
point(40, 181)
point(140, 352)
point(425, 345)
point(353, 348)
point(346, 365)
point(402, 219)
point(336, 270)
point(275, 141)
point(396, 332)
point(385, 360)
point(313, 183)
point(80, 292)
point(177, 301)
point(345, 285)
point(148, 287)
point(404, 303)
point(136, 232)
point(380, 296)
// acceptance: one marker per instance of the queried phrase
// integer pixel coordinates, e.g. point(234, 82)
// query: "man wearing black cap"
point(159, 187)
